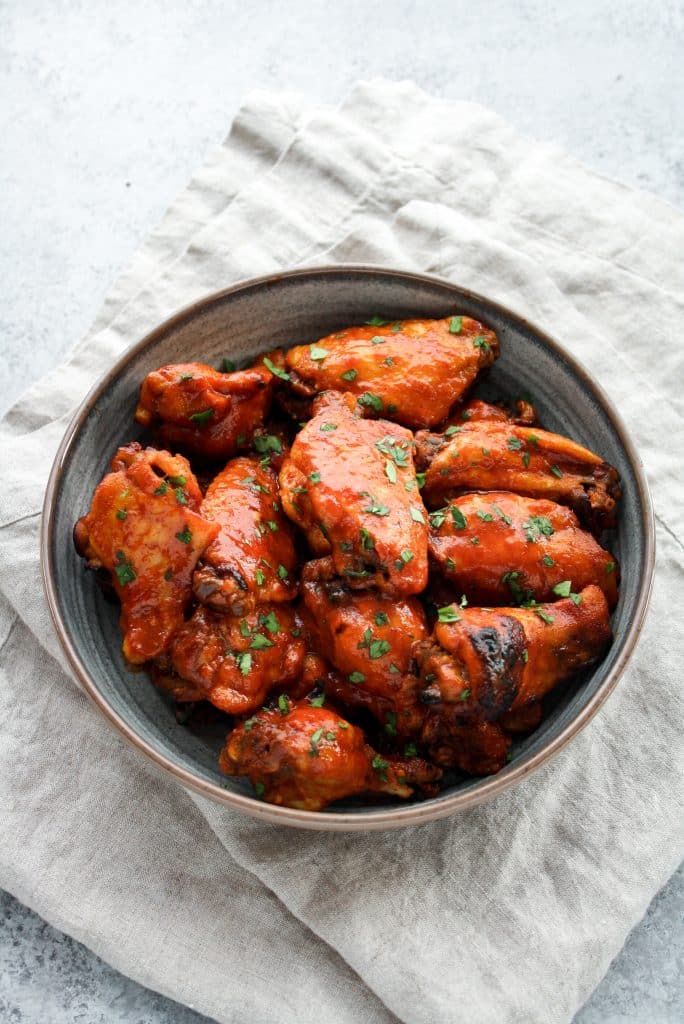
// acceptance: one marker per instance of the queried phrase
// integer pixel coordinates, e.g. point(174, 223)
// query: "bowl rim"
point(352, 821)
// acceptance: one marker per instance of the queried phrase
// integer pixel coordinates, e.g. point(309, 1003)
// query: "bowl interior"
point(287, 310)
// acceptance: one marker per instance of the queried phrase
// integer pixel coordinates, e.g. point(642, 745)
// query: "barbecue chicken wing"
point(501, 548)
point(204, 412)
point(233, 661)
point(307, 757)
point(492, 456)
point(411, 371)
point(351, 484)
point(143, 526)
point(253, 558)
point(484, 661)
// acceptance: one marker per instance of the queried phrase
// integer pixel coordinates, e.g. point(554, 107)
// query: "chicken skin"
point(144, 527)
point(523, 413)
point(193, 407)
point(492, 456)
point(411, 371)
point(499, 548)
point(253, 558)
point(350, 483)
point(234, 662)
point(307, 757)
point(484, 661)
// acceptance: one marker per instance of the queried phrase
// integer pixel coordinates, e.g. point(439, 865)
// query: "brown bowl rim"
point(402, 815)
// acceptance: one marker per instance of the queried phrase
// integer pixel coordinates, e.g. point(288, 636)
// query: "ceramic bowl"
point(286, 309)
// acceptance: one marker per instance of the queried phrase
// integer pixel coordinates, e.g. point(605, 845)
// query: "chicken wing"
point(523, 413)
point(234, 662)
point(204, 412)
point(484, 662)
point(307, 757)
point(366, 636)
point(411, 371)
point(143, 526)
point(491, 456)
point(253, 559)
point(351, 484)
point(500, 548)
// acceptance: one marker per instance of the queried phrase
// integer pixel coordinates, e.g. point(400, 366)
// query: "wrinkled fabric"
point(510, 912)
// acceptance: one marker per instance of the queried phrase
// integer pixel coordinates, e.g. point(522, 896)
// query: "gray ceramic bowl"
point(286, 309)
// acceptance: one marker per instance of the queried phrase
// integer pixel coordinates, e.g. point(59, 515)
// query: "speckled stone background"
point(106, 108)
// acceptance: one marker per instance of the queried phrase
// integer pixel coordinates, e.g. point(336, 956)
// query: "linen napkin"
point(510, 912)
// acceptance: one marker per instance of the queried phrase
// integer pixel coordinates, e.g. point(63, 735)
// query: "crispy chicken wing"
point(307, 757)
point(143, 526)
point(202, 411)
point(253, 559)
point(411, 371)
point(501, 548)
point(235, 661)
point(351, 484)
point(484, 661)
point(492, 456)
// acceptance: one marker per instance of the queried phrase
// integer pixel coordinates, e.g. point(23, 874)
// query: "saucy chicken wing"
point(492, 456)
point(307, 757)
point(143, 526)
point(484, 661)
point(233, 661)
point(202, 411)
point(411, 371)
point(350, 483)
point(253, 558)
point(501, 548)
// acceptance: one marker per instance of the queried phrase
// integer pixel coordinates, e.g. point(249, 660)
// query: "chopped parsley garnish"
point(185, 536)
point(391, 723)
point(377, 321)
point(381, 619)
point(486, 517)
point(283, 704)
point(168, 575)
point(244, 628)
point(318, 701)
point(275, 370)
point(410, 750)
point(480, 342)
point(202, 417)
point(514, 444)
point(259, 577)
point(367, 542)
point(547, 560)
point(406, 555)
point(556, 472)
point(610, 566)
point(270, 622)
point(390, 471)
point(376, 509)
point(377, 340)
point(502, 515)
point(121, 514)
point(450, 431)
point(350, 375)
point(536, 526)
point(260, 642)
point(177, 481)
point(378, 649)
point(396, 452)
point(525, 656)
point(345, 546)
point(533, 439)
point(460, 521)
point(416, 515)
point(388, 361)
point(244, 662)
point(181, 496)
point(326, 427)
point(356, 677)
point(511, 580)
point(450, 564)
point(314, 740)
point(228, 366)
point(465, 694)
point(272, 525)
point(455, 325)
point(380, 765)
point(370, 401)
point(186, 376)
point(420, 479)
point(448, 614)
point(525, 459)
point(314, 477)
point(282, 572)
point(162, 489)
point(250, 722)
point(563, 589)
point(317, 353)
point(259, 789)
point(474, 540)
point(125, 573)
point(268, 443)
point(548, 619)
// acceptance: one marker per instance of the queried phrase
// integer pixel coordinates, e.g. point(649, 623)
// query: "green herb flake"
point(268, 443)
point(377, 321)
point(370, 401)
point(327, 427)
point(202, 417)
point(283, 704)
point(168, 575)
point(181, 496)
point(314, 740)
point(259, 577)
point(121, 514)
point(259, 789)
point(282, 572)
point(548, 619)
point(186, 376)
point(162, 489)
point(410, 750)
point(350, 375)
point(420, 479)
point(356, 677)
point(381, 619)
point(391, 723)
point(475, 540)
point(547, 560)
point(610, 566)
point(378, 649)
point(450, 431)
point(388, 361)
point(185, 536)
point(525, 656)
point(125, 573)
point(317, 353)
point(406, 555)
point(526, 459)
point(228, 366)
point(380, 765)
point(455, 325)
point(377, 340)
point(448, 614)
point(556, 472)
point(390, 471)
point(315, 478)
point(275, 370)
point(260, 642)
point(375, 509)
point(486, 517)
point(481, 343)
point(514, 444)
point(465, 694)
point(563, 589)
point(244, 662)
point(270, 623)
point(459, 520)
point(537, 526)
point(367, 542)
point(318, 701)
point(437, 518)
point(450, 564)
point(502, 515)
point(250, 723)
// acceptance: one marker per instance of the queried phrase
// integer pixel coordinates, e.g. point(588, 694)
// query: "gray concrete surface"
point(106, 108)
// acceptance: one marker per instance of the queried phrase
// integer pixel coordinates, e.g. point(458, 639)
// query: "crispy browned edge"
point(395, 817)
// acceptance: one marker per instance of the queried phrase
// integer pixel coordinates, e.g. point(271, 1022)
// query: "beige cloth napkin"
point(507, 913)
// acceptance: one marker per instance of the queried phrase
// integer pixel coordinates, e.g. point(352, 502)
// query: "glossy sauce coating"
point(253, 559)
point(308, 756)
point(413, 370)
point(493, 456)
point(350, 484)
point(202, 411)
point(500, 548)
point(236, 660)
point(144, 528)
